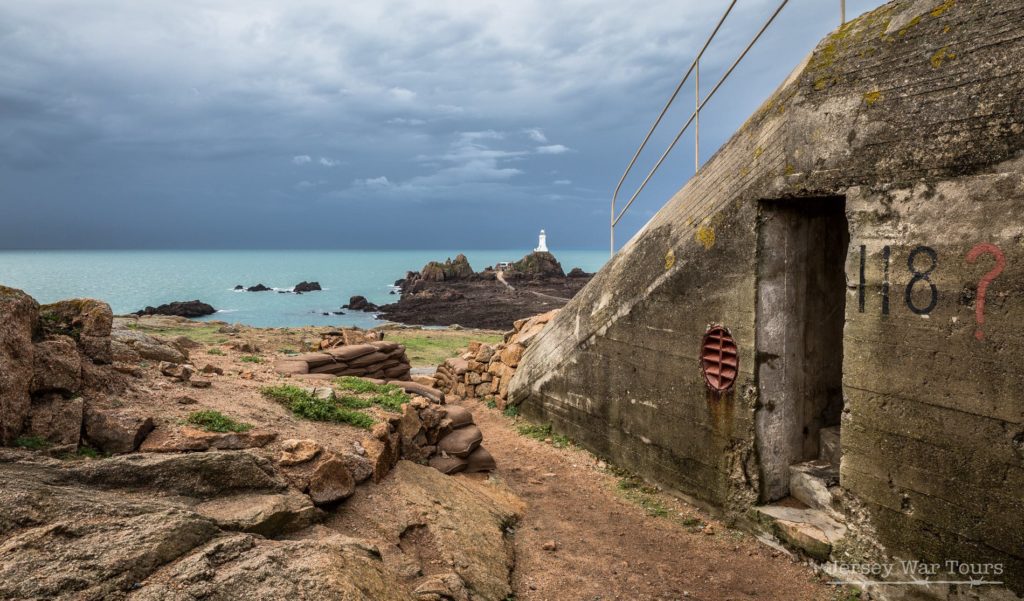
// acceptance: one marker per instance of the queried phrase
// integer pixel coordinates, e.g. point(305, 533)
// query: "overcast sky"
point(360, 124)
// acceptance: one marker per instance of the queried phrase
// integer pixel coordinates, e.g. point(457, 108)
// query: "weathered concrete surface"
point(912, 113)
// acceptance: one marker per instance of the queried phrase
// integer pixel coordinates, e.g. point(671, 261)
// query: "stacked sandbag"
point(378, 359)
point(444, 437)
point(349, 337)
point(485, 370)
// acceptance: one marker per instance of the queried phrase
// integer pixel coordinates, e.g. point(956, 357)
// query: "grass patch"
point(215, 421)
point(491, 403)
point(214, 351)
point(387, 396)
point(544, 433)
point(309, 406)
point(250, 359)
point(512, 411)
point(636, 491)
point(34, 443)
point(287, 351)
point(84, 452)
point(429, 348)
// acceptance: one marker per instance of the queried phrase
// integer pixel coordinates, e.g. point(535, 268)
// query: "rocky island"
point(452, 293)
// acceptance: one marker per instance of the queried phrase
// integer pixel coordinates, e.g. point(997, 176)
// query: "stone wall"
point(911, 115)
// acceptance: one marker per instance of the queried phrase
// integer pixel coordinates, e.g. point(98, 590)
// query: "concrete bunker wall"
point(913, 113)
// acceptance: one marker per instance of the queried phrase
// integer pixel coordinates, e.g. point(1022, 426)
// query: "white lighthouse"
point(542, 243)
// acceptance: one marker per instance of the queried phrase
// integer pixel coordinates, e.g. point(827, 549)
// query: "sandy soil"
point(608, 547)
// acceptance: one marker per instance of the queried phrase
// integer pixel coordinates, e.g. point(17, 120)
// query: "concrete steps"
point(814, 483)
point(809, 530)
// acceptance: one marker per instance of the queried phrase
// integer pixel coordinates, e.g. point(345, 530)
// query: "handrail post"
point(696, 119)
point(842, 12)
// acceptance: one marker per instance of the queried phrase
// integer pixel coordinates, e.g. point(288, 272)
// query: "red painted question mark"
point(979, 307)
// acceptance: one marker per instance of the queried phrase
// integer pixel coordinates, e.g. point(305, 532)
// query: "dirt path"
point(610, 547)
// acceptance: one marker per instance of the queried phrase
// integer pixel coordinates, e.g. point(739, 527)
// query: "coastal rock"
point(576, 272)
point(258, 288)
point(168, 440)
point(331, 482)
point(359, 303)
point(77, 317)
point(192, 308)
point(265, 514)
point(55, 419)
point(307, 287)
point(294, 452)
point(57, 366)
point(538, 264)
point(114, 431)
point(20, 314)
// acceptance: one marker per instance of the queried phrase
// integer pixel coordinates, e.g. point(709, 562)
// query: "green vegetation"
point(491, 403)
point(429, 348)
point(511, 411)
point(544, 434)
point(307, 405)
point(250, 359)
point(84, 452)
point(31, 442)
point(287, 351)
point(214, 351)
point(634, 490)
point(388, 396)
point(215, 421)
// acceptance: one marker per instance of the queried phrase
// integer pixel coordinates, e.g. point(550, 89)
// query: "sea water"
point(132, 280)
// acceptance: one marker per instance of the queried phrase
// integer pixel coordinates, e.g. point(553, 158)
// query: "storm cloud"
point(384, 124)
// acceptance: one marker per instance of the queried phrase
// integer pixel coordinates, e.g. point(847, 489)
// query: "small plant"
point(214, 351)
point(635, 490)
point(31, 442)
point(387, 396)
point(491, 403)
point(354, 402)
point(215, 421)
point(250, 359)
point(84, 452)
point(511, 411)
point(287, 351)
point(307, 405)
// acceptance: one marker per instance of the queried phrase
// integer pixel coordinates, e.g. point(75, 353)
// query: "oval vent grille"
point(719, 359)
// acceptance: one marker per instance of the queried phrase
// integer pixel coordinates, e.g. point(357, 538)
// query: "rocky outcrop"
point(450, 270)
point(192, 308)
point(359, 303)
point(306, 287)
point(171, 527)
point(450, 293)
point(484, 370)
point(464, 521)
point(20, 321)
point(130, 346)
point(536, 265)
point(258, 288)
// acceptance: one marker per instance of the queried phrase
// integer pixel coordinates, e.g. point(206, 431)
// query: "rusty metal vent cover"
point(719, 359)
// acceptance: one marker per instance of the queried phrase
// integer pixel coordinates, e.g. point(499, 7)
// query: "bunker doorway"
point(801, 306)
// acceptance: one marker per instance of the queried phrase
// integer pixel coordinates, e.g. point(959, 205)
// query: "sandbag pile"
point(348, 337)
point(378, 359)
point(443, 436)
point(484, 370)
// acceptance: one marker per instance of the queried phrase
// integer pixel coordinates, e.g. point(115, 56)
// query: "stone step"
point(829, 448)
point(811, 483)
point(809, 530)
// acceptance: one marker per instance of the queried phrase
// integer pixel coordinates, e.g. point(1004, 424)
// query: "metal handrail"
point(694, 116)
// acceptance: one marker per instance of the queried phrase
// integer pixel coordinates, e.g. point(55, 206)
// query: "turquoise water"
point(131, 280)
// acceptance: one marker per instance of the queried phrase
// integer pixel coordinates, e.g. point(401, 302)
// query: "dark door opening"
point(801, 304)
